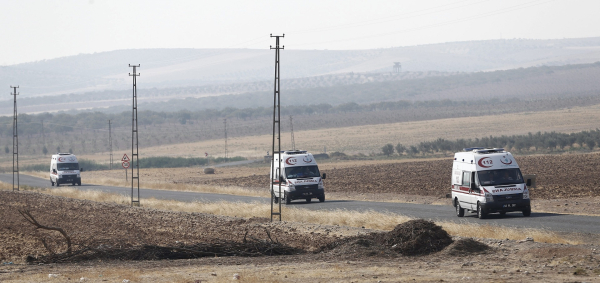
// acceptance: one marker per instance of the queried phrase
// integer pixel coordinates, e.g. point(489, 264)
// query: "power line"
point(110, 146)
point(225, 125)
point(292, 128)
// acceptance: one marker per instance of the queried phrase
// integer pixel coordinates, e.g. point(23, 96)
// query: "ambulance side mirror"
point(53, 170)
point(281, 179)
point(529, 182)
point(324, 176)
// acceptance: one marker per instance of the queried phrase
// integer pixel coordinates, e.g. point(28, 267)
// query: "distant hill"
point(177, 68)
point(534, 83)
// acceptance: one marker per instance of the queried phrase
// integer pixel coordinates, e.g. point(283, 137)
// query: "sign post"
point(125, 163)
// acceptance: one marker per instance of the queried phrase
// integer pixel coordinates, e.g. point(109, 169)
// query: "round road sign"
point(125, 164)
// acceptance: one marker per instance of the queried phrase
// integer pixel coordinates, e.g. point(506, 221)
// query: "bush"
point(388, 149)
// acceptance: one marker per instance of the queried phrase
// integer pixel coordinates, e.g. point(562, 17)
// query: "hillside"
point(534, 83)
point(163, 68)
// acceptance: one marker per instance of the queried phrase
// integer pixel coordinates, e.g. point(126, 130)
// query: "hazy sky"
point(44, 29)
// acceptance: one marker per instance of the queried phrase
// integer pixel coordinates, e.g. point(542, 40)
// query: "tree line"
point(532, 142)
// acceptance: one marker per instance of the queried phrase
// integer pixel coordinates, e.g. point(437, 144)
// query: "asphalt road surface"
point(550, 221)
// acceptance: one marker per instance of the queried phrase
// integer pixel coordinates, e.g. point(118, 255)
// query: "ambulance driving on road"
point(64, 169)
point(298, 176)
point(488, 180)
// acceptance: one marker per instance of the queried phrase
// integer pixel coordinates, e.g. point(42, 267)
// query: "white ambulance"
point(64, 169)
point(298, 177)
point(488, 180)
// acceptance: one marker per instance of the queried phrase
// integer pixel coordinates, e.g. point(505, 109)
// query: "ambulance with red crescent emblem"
point(64, 169)
point(488, 180)
point(295, 175)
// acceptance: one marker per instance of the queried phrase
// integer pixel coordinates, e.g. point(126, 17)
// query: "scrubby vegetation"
point(538, 142)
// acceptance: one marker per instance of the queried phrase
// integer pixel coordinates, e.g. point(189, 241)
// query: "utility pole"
point(135, 166)
point(276, 131)
point(43, 139)
point(110, 152)
point(15, 141)
point(292, 127)
point(225, 125)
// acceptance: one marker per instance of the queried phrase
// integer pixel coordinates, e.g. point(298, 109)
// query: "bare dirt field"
point(115, 243)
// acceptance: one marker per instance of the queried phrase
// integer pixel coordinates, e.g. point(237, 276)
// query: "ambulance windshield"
point(67, 166)
point(500, 177)
point(302, 172)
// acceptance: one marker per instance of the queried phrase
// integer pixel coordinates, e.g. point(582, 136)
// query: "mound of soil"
point(466, 246)
point(417, 237)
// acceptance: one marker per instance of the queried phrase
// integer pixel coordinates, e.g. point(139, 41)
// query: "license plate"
point(510, 205)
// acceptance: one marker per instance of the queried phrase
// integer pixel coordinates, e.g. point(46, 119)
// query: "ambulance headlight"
point(526, 193)
point(489, 197)
point(321, 187)
point(291, 186)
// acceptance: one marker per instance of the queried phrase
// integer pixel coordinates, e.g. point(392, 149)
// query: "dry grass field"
point(367, 139)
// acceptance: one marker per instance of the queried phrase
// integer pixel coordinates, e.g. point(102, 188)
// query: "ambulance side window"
point(466, 179)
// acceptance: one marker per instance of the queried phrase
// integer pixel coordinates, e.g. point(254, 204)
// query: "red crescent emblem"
point(290, 161)
point(485, 162)
point(502, 160)
point(61, 159)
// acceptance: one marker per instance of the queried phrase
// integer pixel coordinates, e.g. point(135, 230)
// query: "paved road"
point(551, 221)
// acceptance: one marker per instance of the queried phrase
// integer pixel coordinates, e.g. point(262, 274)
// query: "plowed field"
point(558, 176)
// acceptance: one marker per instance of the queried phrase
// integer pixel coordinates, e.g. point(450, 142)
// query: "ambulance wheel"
point(480, 213)
point(322, 198)
point(308, 200)
point(527, 212)
point(460, 212)
point(79, 183)
point(287, 199)
point(51, 183)
point(275, 199)
point(57, 183)
point(73, 184)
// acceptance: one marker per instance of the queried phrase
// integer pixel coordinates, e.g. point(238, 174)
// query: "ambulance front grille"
point(510, 197)
point(307, 187)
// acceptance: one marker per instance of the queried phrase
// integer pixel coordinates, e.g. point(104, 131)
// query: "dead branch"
point(27, 215)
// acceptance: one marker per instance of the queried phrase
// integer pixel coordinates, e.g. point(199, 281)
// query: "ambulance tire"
point(51, 183)
point(308, 200)
point(287, 199)
point(79, 183)
point(73, 184)
point(322, 198)
point(57, 183)
point(275, 199)
point(527, 212)
point(480, 213)
point(460, 212)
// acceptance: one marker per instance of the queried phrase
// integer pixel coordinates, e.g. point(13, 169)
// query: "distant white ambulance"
point(64, 169)
point(488, 180)
point(298, 176)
